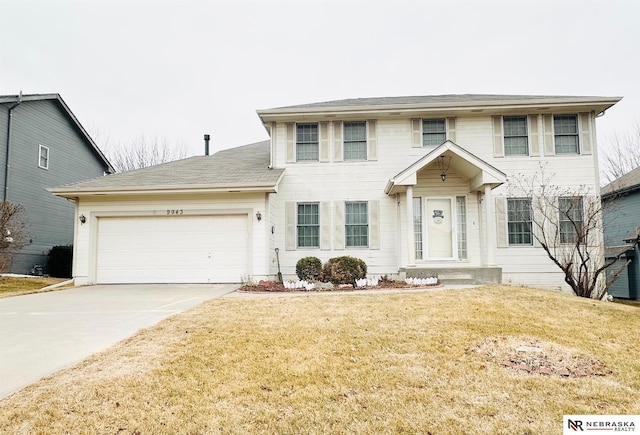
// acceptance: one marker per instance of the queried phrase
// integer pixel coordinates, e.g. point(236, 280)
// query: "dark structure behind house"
point(621, 200)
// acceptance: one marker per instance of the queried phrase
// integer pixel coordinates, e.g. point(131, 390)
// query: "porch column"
point(411, 244)
point(491, 225)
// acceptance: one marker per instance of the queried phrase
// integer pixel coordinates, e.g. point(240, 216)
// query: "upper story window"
point(565, 130)
point(519, 221)
point(355, 140)
point(357, 224)
point(308, 227)
point(515, 136)
point(43, 157)
point(307, 142)
point(434, 132)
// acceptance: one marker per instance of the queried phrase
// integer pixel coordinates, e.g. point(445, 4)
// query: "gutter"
point(7, 166)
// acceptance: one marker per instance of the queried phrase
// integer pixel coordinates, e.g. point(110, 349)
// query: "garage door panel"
point(172, 249)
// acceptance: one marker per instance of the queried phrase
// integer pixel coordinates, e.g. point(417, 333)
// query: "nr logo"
point(575, 425)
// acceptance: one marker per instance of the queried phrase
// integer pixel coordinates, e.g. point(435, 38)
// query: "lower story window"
point(308, 227)
point(519, 215)
point(357, 224)
point(461, 208)
point(417, 226)
point(570, 219)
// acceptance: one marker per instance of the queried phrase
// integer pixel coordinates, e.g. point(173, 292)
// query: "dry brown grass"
point(344, 363)
point(14, 286)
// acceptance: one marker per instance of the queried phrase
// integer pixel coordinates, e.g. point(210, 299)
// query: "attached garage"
point(172, 249)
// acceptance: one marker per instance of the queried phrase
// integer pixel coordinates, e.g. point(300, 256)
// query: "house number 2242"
point(175, 212)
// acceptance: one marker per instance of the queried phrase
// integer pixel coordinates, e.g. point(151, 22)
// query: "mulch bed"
point(277, 287)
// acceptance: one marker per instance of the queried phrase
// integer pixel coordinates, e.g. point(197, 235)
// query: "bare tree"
point(621, 155)
point(568, 224)
point(13, 232)
point(143, 152)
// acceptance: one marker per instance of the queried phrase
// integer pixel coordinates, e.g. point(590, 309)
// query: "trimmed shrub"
point(344, 270)
point(60, 259)
point(309, 268)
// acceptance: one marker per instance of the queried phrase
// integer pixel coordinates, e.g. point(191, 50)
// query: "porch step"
point(457, 275)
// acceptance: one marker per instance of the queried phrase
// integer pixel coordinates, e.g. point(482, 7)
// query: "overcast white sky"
point(178, 69)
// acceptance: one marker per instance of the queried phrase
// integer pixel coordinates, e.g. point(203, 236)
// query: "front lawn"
point(14, 286)
point(431, 362)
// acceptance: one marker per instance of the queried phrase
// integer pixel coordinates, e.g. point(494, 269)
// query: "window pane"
point(570, 210)
point(306, 142)
point(357, 224)
point(461, 206)
point(433, 132)
point(515, 135)
point(308, 225)
point(566, 134)
point(519, 221)
point(355, 140)
point(417, 226)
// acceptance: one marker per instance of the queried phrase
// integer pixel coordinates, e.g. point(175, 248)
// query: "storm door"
point(439, 223)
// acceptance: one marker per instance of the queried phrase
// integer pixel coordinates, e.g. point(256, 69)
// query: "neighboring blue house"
point(621, 202)
point(42, 144)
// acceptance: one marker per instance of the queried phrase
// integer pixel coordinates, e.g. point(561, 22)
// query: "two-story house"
point(411, 185)
point(43, 145)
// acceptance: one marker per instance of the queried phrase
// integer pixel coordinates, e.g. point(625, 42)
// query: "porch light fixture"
point(444, 167)
point(82, 219)
point(258, 215)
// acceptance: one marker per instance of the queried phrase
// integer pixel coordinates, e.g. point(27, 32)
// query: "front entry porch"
point(447, 224)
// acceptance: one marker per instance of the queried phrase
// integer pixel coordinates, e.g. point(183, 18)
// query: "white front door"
point(439, 218)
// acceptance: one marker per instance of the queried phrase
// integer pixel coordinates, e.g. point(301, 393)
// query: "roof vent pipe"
point(206, 144)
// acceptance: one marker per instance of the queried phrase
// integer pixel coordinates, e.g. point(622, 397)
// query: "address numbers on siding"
point(174, 212)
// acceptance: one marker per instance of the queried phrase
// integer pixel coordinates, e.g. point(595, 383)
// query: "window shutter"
point(338, 241)
point(501, 222)
point(372, 140)
point(338, 155)
point(585, 133)
point(323, 145)
point(451, 129)
point(291, 155)
point(416, 133)
point(534, 146)
point(549, 146)
point(290, 225)
point(325, 225)
point(374, 224)
point(498, 149)
point(536, 216)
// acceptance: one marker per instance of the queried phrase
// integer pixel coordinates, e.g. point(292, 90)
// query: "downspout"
point(6, 172)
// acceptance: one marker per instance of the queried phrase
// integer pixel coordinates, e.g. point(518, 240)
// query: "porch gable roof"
point(476, 170)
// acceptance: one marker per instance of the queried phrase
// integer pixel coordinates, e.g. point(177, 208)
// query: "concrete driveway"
point(42, 333)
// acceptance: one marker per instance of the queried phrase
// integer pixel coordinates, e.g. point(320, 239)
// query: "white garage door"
point(172, 249)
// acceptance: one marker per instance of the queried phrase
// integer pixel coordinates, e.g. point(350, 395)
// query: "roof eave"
point(545, 104)
point(77, 193)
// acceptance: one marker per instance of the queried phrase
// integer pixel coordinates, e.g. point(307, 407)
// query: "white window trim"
point(295, 141)
point(528, 136)
point(368, 226)
point(344, 141)
point(578, 131)
point(40, 154)
point(422, 132)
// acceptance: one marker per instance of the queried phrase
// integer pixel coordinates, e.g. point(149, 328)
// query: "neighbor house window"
point(515, 136)
point(433, 132)
point(355, 140)
point(417, 226)
point(357, 224)
point(308, 225)
point(570, 210)
point(43, 157)
point(519, 221)
point(565, 129)
point(461, 208)
point(307, 142)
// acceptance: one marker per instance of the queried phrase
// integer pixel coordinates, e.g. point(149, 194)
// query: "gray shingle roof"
point(629, 181)
point(437, 100)
point(241, 168)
